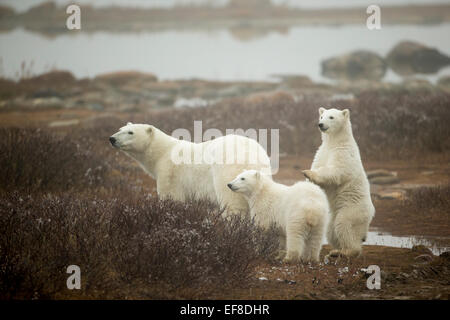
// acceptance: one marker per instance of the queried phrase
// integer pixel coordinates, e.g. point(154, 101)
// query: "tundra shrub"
point(133, 245)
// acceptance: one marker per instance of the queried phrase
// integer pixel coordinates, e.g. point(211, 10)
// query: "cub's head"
point(333, 120)
point(246, 182)
point(134, 138)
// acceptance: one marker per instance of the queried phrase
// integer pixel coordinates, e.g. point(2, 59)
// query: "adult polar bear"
point(184, 170)
point(338, 169)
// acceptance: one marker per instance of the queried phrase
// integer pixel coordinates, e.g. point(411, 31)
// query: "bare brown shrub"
point(133, 245)
point(36, 160)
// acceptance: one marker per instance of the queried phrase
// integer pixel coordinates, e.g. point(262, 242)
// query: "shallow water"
point(386, 239)
point(216, 55)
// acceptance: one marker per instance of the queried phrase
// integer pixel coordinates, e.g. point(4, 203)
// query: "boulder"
point(47, 103)
point(408, 58)
point(122, 78)
point(379, 173)
point(357, 65)
point(384, 180)
point(52, 79)
point(382, 176)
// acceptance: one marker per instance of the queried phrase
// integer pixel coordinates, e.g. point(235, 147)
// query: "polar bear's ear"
point(321, 110)
point(346, 113)
point(129, 123)
point(257, 175)
point(150, 130)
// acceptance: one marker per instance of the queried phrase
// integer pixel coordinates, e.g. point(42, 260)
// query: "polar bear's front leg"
point(324, 176)
point(311, 175)
point(166, 191)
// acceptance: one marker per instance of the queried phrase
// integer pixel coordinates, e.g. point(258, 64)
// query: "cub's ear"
point(257, 175)
point(321, 110)
point(150, 129)
point(129, 123)
point(346, 113)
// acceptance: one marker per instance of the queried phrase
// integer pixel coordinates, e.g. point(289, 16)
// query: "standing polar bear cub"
point(338, 169)
point(300, 210)
point(184, 170)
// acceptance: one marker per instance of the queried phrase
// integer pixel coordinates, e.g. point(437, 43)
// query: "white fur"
point(338, 169)
point(300, 211)
point(154, 151)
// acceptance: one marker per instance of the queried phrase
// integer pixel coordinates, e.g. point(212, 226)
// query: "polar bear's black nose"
point(229, 185)
point(112, 140)
point(320, 125)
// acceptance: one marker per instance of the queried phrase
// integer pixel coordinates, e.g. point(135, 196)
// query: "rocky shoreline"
point(135, 91)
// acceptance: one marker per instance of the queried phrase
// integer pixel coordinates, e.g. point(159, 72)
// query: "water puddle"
point(380, 238)
point(191, 103)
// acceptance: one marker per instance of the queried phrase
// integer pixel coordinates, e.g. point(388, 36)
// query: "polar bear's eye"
point(242, 178)
point(130, 132)
point(331, 117)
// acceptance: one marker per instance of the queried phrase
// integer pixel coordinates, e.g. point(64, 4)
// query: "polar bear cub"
point(185, 170)
point(300, 210)
point(338, 169)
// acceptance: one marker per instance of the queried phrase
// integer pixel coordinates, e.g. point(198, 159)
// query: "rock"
point(47, 103)
point(58, 78)
point(380, 173)
point(46, 93)
point(95, 106)
point(64, 123)
point(384, 180)
point(414, 84)
point(357, 65)
point(125, 77)
point(263, 278)
point(408, 58)
point(392, 195)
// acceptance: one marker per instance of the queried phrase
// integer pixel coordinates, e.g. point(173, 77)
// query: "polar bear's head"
point(133, 138)
point(246, 182)
point(333, 120)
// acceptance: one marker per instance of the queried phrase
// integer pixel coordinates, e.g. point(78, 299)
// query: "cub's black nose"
point(321, 125)
point(112, 140)
point(229, 185)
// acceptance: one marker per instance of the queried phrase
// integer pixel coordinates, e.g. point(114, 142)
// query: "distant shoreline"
point(49, 19)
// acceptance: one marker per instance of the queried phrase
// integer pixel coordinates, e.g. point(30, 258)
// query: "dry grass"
point(430, 201)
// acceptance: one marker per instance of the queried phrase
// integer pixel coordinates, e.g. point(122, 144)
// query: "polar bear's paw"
point(310, 175)
point(281, 255)
point(292, 257)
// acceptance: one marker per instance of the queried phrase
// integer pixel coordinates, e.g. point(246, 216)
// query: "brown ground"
point(389, 214)
point(406, 273)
